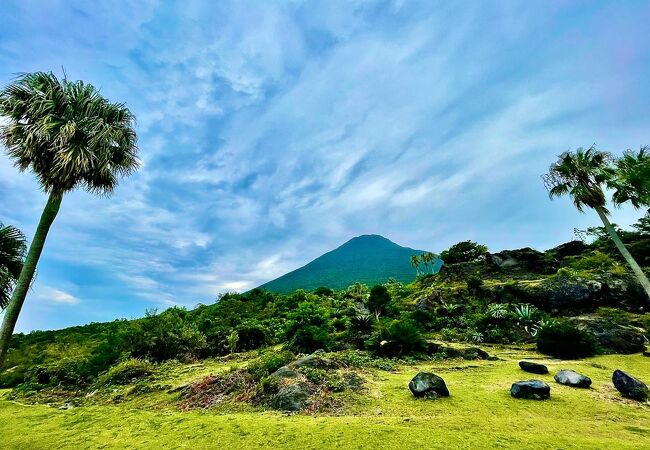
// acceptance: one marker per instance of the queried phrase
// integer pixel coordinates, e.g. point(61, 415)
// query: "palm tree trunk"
point(27, 273)
point(643, 279)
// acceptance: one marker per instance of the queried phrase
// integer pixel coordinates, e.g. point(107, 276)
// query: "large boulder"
point(426, 384)
point(571, 378)
point(475, 353)
point(291, 397)
point(524, 260)
point(612, 337)
point(539, 369)
point(629, 386)
point(531, 389)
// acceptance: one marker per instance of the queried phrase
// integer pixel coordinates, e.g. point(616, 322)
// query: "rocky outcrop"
point(611, 337)
point(285, 372)
point(426, 384)
point(531, 389)
point(573, 379)
point(539, 369)
point(629, 386)
point(291, 397)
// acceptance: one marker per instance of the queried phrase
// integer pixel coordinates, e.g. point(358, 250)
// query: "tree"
point(415, 262)
point(466, 251)
point(12, 253)
point(379, 299)
point(69, 136)
point(585, 174)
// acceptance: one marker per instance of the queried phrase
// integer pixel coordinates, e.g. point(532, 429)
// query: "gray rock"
point(531, 389)
point(646, 353)
point(539, 369)
point(612, 337)
point(284, 372)
point(629, 386)
point(571, 378)
point(475, 353)
point(426, 384)
point(292, 397)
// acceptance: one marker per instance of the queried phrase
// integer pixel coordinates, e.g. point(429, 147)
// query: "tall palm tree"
point(415, 262)
point(583, 175)
point(12, 253)
point(69, 136)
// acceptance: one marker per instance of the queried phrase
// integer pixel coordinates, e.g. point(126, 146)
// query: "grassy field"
point(479, 414)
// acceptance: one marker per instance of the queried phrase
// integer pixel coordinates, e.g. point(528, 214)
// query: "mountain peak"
point(369, 258)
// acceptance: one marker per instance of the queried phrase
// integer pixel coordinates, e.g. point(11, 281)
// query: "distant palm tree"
point(430, 260)
point(583, 175)
point(69, 136)
point(415, 262)
point(12, 253)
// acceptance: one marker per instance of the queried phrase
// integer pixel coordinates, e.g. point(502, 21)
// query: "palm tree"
point(69, 136)
point(584, 174)
point(415, 262)
point(12, 253)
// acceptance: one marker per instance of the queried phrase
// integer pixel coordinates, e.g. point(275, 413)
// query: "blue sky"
point(271, 132)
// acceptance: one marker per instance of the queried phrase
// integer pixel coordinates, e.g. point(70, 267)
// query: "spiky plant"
point(69, 136)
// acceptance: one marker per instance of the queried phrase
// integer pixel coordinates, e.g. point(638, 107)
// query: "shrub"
point(126, 372)
point(66, 373)
point(252, 335)
point(474, 283)
point(268, 363)
point(562, 339)
point(402, 337)
point(466, 251)
point(163, 336)
point(310, 339)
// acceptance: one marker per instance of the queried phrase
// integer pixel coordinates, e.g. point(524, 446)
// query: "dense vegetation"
point(575, 300)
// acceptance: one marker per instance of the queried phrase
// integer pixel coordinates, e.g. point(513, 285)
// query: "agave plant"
point(497, 310)
point(524, 313)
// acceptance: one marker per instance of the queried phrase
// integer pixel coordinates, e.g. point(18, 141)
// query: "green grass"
point(479, 414)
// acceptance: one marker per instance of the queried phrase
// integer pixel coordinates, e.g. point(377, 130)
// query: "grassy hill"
point(370, 259)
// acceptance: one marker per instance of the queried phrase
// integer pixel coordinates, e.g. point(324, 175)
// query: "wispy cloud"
point(272, 132)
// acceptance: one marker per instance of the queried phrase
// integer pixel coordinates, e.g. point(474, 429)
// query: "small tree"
point(585, 174)
point(466, 251)
point(379, 299)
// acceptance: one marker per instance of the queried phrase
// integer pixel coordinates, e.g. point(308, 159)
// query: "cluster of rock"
point(295, 393)
point(430, 385)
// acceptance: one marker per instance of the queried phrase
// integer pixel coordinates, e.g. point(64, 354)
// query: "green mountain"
point(369, 259)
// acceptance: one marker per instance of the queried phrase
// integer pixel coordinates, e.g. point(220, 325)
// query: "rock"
point(353, 381)
point(426, 384)
point(646, 353)
point(432, 347)
point(531, 389)
point(284, 372)
point(315, 361)
point(451, 352)
point(475, 353)
point(629, 386)
point(573, 248)
point(292, 397)
point(532, 367)
point(612, 337)
point(571, 378)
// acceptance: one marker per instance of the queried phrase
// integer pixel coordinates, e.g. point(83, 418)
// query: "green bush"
point(466, 251)
point(269, 362)
point(127, 372)
point(164, 336)
point(403, 337)
point(562, 339)
point(252, 335)
point(310, 339)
